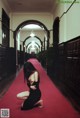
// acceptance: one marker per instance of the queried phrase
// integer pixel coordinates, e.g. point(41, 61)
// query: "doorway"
point(32, 30)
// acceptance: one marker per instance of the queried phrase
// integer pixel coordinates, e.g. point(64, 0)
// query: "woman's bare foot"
point(39, 103)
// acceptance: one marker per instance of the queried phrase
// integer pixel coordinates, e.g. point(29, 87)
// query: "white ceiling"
point(31, 5)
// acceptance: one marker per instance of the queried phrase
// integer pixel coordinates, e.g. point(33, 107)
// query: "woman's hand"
point(33, 87)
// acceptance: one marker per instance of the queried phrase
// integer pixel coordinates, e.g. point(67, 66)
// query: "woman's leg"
point(23, 95)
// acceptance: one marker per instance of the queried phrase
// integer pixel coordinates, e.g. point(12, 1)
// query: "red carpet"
point(55, 104)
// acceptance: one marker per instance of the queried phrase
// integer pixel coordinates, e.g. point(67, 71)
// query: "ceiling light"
point(32, 34)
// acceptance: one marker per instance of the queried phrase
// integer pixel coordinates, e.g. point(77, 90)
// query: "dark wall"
point(68, 69)
point(7, 62)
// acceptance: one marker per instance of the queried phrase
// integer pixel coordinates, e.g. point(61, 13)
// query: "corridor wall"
point(68, 71)
point(7, 62)
point(69, 22)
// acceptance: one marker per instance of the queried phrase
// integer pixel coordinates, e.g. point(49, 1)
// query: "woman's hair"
point(28, 69)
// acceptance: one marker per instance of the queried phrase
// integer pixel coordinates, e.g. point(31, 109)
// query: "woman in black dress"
point(31, 97)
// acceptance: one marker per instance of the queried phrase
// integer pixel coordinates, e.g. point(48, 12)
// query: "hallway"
point(48, 30)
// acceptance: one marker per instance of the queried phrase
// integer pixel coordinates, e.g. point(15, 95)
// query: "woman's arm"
point(36, 76)
point(33, 79)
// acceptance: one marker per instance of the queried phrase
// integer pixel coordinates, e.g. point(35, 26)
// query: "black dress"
point(33, 98)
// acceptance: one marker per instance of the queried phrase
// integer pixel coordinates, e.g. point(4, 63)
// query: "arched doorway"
point(32, 22)
point(27, 23)
point(56, 31)
point(55, 46)
point(36, 40)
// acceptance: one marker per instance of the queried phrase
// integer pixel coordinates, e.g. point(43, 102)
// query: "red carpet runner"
point(55, 104)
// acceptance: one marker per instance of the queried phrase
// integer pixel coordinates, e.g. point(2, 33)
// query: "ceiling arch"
point(32, 22)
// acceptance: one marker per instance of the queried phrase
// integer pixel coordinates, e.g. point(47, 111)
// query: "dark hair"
point(28, 69)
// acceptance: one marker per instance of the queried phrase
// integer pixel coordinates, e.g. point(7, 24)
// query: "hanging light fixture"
point(32, 34)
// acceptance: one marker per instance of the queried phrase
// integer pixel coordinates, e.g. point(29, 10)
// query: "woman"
point(31, 97)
